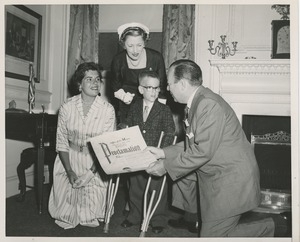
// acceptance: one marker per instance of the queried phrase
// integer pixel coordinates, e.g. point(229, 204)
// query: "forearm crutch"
point(111, 195)
point(148, 213)
point(110, 199)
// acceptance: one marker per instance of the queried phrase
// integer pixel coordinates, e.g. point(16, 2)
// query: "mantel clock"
point(280, 39)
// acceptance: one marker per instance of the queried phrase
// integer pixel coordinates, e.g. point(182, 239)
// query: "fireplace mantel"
point(251, 86)
point(253, 66)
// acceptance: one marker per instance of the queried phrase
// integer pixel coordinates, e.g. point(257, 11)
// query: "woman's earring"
point(80, 88)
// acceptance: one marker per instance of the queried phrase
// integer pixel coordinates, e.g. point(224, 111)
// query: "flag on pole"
point(31, 88)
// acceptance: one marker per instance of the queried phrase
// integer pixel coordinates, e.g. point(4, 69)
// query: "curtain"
point(83, 36)
point(178, 32)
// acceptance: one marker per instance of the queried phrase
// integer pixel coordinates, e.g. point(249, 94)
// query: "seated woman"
point(78, 195)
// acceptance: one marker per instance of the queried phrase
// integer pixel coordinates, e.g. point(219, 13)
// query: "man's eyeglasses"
point(150, 88)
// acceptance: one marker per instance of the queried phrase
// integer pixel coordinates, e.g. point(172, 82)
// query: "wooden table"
point(36, 128)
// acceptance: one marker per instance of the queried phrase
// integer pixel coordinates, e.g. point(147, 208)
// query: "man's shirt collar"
point(189, 103)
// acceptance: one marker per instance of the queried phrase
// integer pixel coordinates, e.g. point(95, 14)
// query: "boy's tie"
point(145, 113)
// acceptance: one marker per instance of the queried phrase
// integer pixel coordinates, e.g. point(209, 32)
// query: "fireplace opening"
point(272, 148)
point(273, 155)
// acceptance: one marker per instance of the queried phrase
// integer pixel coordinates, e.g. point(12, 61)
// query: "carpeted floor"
point(22, 219)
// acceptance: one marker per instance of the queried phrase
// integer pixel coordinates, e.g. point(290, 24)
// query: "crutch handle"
point(160, 139)
point(175, 140)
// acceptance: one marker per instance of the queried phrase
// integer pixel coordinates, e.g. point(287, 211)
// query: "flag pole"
point(31, 88)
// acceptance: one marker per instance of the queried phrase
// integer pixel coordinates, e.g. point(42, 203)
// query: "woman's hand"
point(119, 94)
point(124, 97)
point(122, 126)
point(72, 176)
point(84, 179)
point(127, 99)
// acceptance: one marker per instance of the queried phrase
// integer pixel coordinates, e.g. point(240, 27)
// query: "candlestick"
point(222, 49)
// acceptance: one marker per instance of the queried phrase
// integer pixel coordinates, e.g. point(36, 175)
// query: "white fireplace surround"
point(250, 86)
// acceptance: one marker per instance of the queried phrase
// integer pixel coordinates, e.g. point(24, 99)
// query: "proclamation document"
point(122, 151)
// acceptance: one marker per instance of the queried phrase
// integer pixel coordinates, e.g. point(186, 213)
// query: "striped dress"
point(68, 206)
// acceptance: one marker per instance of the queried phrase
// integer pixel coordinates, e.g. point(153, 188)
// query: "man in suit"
point(152, 117)
point(218, 152)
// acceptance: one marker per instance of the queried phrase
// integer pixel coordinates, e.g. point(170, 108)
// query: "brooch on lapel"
point(190, 135)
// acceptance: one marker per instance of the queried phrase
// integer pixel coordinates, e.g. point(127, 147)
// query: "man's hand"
point(156, 168)
point(157, 152)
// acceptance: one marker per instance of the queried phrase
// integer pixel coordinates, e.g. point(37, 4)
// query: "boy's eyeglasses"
point(150, 88)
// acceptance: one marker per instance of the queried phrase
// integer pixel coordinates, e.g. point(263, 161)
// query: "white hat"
point(128, 25)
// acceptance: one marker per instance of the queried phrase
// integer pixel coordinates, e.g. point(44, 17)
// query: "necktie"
point(186, 112)
point(145, 113)
point(185, 124)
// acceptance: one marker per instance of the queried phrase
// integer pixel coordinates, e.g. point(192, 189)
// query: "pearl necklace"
point(136, 63)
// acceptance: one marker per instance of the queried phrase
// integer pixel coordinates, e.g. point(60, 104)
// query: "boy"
point(152, 117)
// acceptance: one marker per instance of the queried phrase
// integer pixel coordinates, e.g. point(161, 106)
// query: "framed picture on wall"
point(23, 29)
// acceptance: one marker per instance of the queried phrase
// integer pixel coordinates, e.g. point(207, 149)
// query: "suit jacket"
point(219, 153)
point(159, 119)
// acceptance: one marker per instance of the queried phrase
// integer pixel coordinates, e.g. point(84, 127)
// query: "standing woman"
point(127, 65)
point(78, 194)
